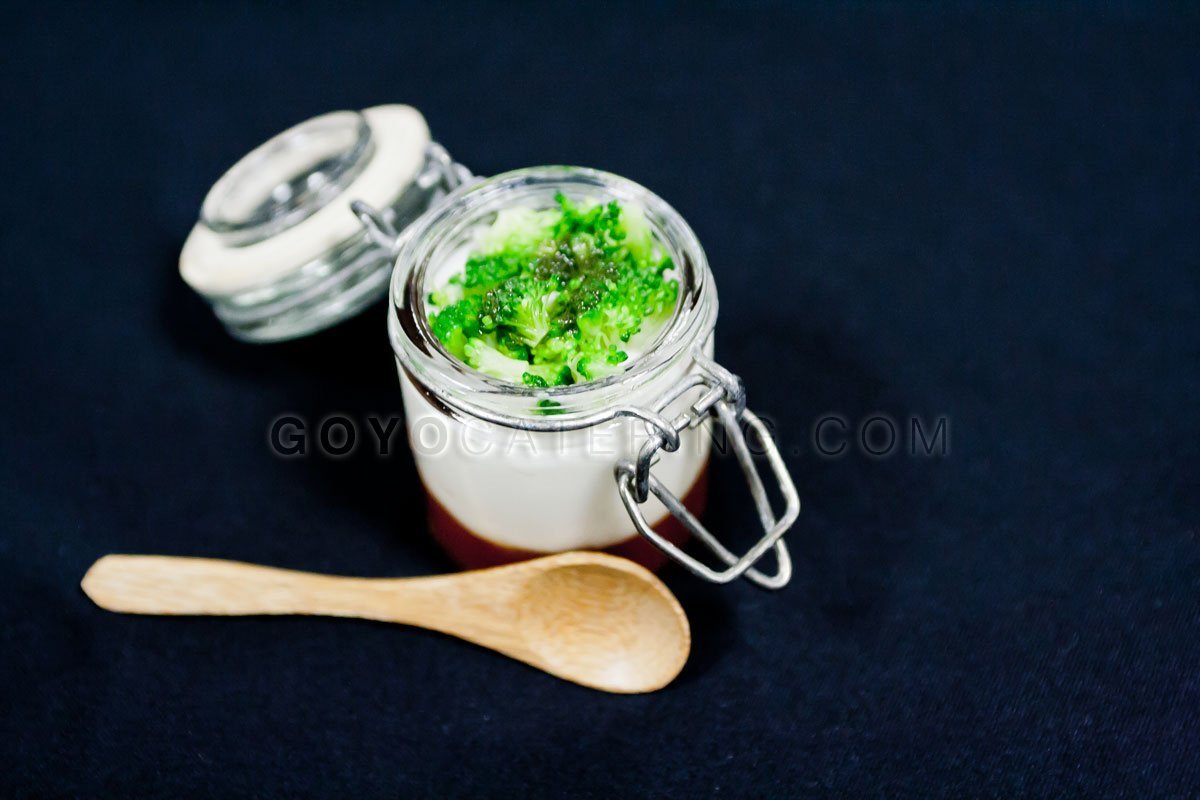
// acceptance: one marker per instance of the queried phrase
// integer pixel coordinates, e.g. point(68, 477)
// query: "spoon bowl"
point(591, 618)
point(601, 625)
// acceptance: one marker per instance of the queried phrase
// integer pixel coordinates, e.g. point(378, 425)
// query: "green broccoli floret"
point(523, 305)
point(484, 271)
point(548, 375)
point(559, 347)
point(552, 297)
point(607, 325)
point(455, 324)
point(485, 357)
point(600, 366)
point(548, 407)
point(511, 345)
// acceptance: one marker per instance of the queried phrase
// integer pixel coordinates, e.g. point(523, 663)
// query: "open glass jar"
point(513, 470)
point(305, 231)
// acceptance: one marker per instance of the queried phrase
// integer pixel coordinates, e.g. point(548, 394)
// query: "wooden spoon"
point(591, 618)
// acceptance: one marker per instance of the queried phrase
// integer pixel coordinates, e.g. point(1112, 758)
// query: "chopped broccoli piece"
point(511, 345)
point(548, 375)
point(557, 348)
point(484, 356)
point(548, 407)
point(592, 367)
point(549, 298)
point(523, 305)
point(457, 323)
point(483, 271)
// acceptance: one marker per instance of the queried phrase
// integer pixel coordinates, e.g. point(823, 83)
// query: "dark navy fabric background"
point(986, 214)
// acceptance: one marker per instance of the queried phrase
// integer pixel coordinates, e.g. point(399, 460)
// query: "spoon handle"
point(176, 585)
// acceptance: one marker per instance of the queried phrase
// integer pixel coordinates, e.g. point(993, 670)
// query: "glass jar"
point(304, 231)
point(512, 471)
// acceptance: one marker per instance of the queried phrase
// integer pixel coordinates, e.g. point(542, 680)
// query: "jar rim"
point(467, 390)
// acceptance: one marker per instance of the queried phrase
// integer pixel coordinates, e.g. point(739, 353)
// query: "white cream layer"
point(545, 492)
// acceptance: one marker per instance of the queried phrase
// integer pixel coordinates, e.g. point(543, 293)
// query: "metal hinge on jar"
point(725, 399)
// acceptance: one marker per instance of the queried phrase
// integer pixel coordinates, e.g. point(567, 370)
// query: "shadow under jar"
point(619, 463)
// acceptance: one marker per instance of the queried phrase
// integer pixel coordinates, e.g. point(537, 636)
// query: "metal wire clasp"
point(441, 175)
point(724, 398)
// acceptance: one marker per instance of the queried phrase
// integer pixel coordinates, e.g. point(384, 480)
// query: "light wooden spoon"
point(591, 618)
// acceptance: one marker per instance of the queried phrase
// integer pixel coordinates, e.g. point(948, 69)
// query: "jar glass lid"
point(277, 250)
